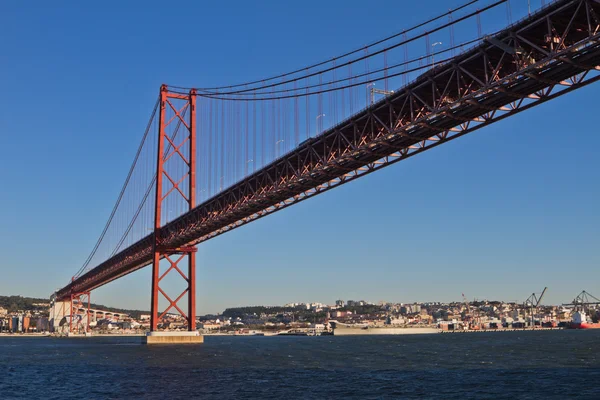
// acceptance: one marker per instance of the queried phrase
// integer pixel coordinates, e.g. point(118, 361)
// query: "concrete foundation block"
point(173, 338)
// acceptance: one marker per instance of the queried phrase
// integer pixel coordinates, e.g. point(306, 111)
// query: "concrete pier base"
point(173, 338)
point(78, 335)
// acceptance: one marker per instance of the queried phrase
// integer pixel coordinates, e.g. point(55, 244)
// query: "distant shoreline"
point(29, 335)
point(107, 335)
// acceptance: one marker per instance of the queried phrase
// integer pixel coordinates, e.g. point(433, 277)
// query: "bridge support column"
point(80, 313)
point(177, 146)
point(59, 314)
point(174, 258)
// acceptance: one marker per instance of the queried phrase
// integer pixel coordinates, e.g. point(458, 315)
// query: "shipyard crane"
point(582, 300)
point(533, 302)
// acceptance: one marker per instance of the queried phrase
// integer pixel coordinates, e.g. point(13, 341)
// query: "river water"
point(508, 365)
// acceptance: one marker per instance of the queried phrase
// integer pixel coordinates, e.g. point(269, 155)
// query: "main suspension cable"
point(391, 67)
point(201, 92)
point(116, 206)
point(343, 55)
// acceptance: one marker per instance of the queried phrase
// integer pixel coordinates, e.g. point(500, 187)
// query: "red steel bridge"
point(213, 159)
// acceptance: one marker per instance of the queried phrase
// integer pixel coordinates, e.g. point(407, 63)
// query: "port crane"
point(582, 300)
point(533, 302)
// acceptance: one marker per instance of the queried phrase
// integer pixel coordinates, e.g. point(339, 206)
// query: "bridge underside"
point(553, 52)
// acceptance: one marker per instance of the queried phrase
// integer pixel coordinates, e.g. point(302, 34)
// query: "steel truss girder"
point(475, 89)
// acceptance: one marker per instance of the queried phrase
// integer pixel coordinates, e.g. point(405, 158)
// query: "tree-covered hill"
point(16, 303)
point(20, 303)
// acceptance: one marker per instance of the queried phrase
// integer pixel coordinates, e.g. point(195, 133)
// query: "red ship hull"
point(584, 325)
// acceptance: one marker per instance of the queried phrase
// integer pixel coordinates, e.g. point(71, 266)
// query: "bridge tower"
point(176, 143)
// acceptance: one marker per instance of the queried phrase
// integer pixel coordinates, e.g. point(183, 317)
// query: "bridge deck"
point(522, 66)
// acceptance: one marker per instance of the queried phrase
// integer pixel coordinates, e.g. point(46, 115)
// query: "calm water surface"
point(525, 365)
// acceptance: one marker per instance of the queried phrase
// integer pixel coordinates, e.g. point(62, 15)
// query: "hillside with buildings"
point(24, 314)
point(30, 314)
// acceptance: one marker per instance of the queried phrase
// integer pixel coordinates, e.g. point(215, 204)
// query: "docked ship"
point(341, 329)
point(579, 321)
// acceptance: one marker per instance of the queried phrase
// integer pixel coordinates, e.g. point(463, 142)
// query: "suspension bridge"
point(215, 158)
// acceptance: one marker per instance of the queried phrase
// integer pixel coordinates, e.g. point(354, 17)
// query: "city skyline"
point(503, 212)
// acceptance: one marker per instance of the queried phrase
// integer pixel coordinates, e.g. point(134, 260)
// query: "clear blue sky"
point(497, 214)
